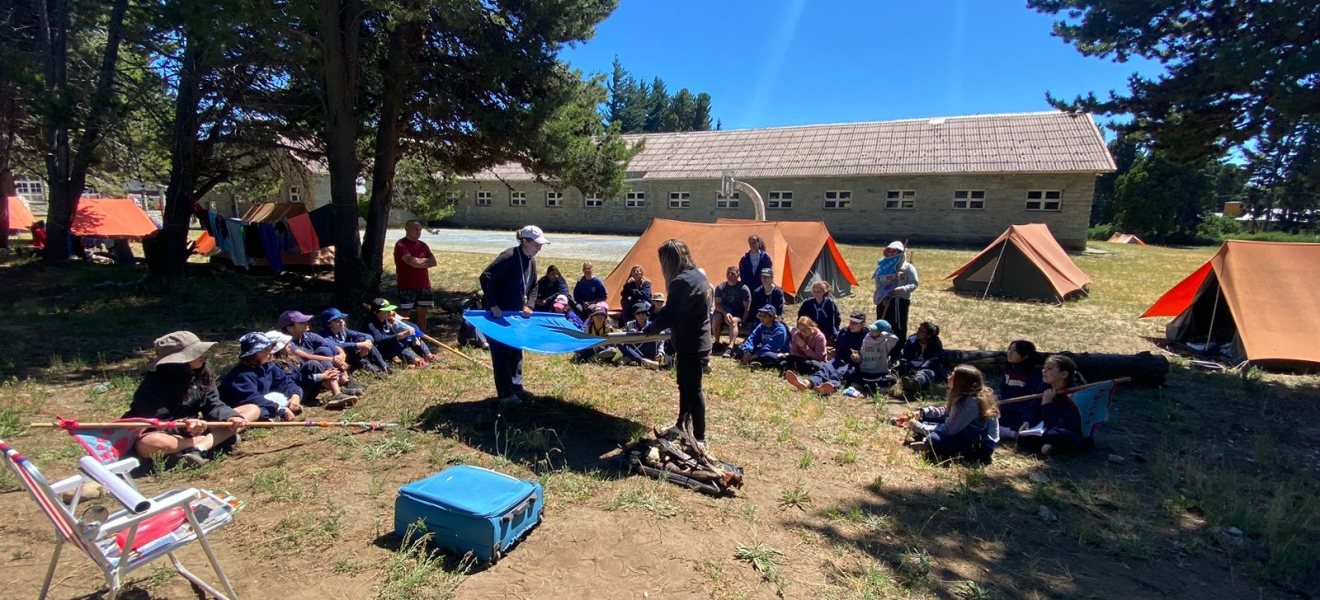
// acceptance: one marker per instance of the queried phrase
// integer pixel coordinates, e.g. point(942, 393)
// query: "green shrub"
point(1216, 229)
point(1100, 232)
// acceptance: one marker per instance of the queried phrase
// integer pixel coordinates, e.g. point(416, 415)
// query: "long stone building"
point(956, 180)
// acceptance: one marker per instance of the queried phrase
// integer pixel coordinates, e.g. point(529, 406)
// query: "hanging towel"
point(271, 243)
point(252, 242)
point(219, 230)
point(303, 231)
point(236, 247)
point(323, 222)
point(288, 244)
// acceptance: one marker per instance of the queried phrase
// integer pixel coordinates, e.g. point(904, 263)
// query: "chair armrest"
point(158, 506)
point(69, 483)
point(123, 467)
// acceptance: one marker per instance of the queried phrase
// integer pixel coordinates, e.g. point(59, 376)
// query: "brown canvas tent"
point(1260, 299)
point(1024, 262)
point(274, 212)
point(803, 252)
point(1125, 238)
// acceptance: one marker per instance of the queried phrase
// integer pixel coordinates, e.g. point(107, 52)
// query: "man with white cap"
point(509, 285)
point(893, 297)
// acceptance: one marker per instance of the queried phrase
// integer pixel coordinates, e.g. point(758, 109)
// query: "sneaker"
point(650, 364)
point(728, 352)
point(188, 458)
point(341, 401)
point(353, 387)
point(825, 389)
point(795, 381)
point(755, 366)
point(420, 363)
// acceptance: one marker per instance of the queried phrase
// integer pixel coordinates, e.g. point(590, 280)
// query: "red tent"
point(20, 218)
point(112, 219)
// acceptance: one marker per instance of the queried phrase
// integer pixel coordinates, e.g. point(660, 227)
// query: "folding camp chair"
point(142, 536)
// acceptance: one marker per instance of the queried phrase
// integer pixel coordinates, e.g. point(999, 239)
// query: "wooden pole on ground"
point(455, 351)
point(180, 423)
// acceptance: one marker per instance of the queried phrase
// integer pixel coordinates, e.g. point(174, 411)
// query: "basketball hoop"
point(726, 184)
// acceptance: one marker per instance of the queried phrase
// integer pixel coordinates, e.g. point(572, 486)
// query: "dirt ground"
point(834, 504)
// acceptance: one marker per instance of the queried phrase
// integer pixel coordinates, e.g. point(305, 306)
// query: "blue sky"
point(797, 62)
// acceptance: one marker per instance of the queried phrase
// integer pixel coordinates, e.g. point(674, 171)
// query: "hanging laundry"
point(305, 233)
point(271, 243)
point(323, 222)
point(252, 242)
point(219, 230)
point(288, 243)
point(236, 246)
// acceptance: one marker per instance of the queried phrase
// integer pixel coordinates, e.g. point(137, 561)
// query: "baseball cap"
point(767, 272)
point(642, 307)
point(857, 316)
point(560, 302)
point(895, 246)
point(881, 325)
point(252, 343)
point(290, 317)
point(331, 314)
point(534, 233)
point(768, 309)
point(658, 296)
point(279, 338)
point(381, 304)
point(599, 309)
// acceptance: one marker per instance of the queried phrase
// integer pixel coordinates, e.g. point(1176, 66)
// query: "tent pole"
point(995, 271)
point(1214, 312)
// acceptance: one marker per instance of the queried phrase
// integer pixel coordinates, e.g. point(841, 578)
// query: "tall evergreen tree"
point(701, 114)
point(657, 106)
point(1162, 200)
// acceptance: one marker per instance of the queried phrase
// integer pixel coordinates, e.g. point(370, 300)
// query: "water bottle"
point(852, 392)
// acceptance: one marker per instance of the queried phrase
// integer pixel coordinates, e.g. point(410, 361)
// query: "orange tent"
point(802, 252)
point(20, 218)
point(1025, 262)
point(112, 219)
point(1258, 299)
point(1125, 238)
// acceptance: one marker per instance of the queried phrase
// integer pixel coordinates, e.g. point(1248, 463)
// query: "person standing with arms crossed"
point(687, 316)
point(509, 285)
point(412, 259)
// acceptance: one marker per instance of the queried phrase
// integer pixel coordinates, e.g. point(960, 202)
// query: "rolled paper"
point(124, 493)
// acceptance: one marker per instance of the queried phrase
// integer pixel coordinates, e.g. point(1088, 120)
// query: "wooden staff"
point(1067, 391)
point(455, 351)
point(182, 423)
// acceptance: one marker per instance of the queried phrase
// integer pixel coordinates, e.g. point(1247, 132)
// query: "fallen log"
point(1144, 368)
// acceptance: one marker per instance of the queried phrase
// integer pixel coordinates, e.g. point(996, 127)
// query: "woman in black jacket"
point(687, 315)
point(548, 286)
point(180, 386)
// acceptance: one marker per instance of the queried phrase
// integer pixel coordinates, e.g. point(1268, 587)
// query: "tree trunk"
point(168, 254)
point(397, 76)
point(340, 28)
point(67, 171)
point(1144, 368)
point(6, 190)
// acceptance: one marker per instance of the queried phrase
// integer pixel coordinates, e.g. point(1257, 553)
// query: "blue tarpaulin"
point(545, 332)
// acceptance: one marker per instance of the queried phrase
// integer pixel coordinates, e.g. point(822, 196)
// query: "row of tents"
point(1259, 301)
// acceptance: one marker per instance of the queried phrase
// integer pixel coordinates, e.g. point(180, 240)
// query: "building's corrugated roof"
point(1045, 142)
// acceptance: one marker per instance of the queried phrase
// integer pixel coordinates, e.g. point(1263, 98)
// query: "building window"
point(554, 199)
point(635, 200)
point(517, 198)
point(453, 196)
point(838, 199)
point(730, 202)
point(1045, 200)
point(779, 200)
point(483, 198)
point(294, 195)
point(680, 200)
point(593, 201)
point(32, 188)
point(969, 200)
point(900, 199)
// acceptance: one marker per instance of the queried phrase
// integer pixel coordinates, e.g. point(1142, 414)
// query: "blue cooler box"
point(470, 509)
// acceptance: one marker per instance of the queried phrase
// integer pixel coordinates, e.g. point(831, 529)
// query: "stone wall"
point(932, 217)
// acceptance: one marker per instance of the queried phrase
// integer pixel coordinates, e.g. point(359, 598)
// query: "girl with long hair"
point(636, 289)
point(967, 425)
point(1022, 366)
point(806, 348)
point(687, 316)
point(1060, 419)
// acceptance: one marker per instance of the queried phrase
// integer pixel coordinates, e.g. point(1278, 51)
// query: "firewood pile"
point(675, 455)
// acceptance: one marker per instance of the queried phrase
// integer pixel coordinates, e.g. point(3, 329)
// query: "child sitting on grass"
point(647, 354)
point(310, 380)
point(920, 365)
point(967, 426)
point(870, 373)
point(1060, 420)
point(599, 324)
point(806, 348)
point(767, 342)
point(1022, 366)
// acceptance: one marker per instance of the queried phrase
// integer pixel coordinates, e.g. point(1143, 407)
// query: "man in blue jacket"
point(509, 285)
point(764, 345)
